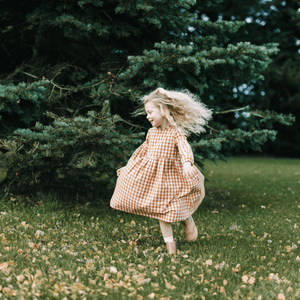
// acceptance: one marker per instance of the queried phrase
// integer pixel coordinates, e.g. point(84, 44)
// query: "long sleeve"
point(184, 149)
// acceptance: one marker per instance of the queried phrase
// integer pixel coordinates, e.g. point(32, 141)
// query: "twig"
point(212, 129)
point(5, 50)
point(134, 126)
point(61, 88)
point(28, 74)
point(232, 110)
point(130, 91)
point(257, 115)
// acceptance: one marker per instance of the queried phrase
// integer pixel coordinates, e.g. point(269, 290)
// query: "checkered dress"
point(153, 183)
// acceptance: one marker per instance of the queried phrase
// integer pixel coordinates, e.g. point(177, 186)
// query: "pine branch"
point(232, 110)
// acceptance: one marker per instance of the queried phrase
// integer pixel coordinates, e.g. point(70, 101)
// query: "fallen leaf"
point(151, 296)
point(251, 280)
point(3, 266)
point(281, 296)
point(147, 280)
point(20, 278)
point(208, 262)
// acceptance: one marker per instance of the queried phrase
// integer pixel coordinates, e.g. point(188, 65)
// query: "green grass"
point(248, 244)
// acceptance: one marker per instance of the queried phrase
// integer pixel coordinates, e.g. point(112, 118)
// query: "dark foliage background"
point(73, 71)
point(270, 21)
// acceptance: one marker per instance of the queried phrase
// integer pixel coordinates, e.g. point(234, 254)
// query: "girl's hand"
point(187, 169)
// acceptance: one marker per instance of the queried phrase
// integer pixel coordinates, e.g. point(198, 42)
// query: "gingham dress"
point(153, 183)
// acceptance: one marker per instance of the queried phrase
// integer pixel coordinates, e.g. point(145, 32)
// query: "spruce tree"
point(73, 71)
point(274, 21)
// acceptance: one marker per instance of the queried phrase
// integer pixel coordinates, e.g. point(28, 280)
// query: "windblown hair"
point(182, 109)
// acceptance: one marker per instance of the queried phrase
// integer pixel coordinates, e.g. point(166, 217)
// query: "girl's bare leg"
point(167, 232)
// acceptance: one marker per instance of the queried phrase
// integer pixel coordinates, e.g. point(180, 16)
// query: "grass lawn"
point(248, 245)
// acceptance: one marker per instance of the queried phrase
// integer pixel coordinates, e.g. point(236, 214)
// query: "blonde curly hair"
point(182, 109)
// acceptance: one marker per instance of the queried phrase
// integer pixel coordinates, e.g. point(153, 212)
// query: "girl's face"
point(155, 116)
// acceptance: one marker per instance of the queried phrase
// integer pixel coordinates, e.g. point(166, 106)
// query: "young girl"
point(160, 180)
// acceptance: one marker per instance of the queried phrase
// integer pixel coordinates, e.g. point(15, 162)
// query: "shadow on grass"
point(215, 200)
point(220, 200)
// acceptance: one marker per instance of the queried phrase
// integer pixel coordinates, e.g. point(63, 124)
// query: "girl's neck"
point(165, 124)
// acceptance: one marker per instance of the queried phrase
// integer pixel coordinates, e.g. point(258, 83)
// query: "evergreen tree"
point(73, 71)
point(270, 21)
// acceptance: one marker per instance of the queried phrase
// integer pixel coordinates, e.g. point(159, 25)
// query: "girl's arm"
point(186, 153)
point(184, 149)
